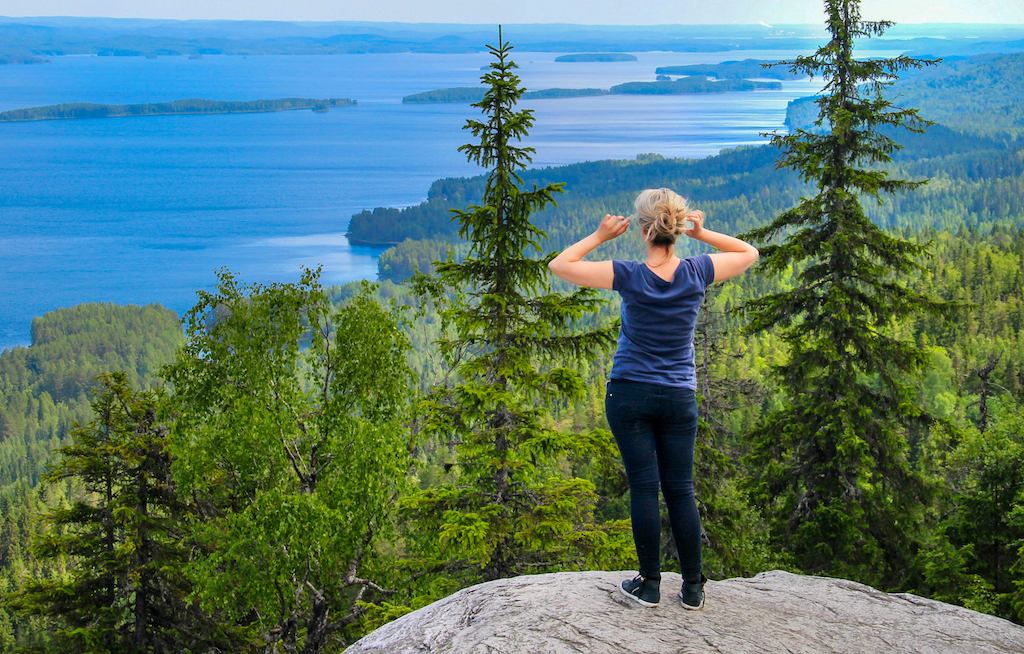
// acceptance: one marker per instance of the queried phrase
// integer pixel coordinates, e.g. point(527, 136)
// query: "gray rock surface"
point(572, 612)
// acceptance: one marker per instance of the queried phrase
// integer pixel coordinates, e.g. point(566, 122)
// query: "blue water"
point(139, 210)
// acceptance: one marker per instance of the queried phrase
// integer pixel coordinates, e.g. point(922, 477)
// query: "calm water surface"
point(139, 210)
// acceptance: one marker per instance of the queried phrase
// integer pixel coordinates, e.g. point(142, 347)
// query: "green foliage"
point(736, 535)
point(738, 187)
point(44, 390)
point(509, 507)
point(127, 591)
point(831, 464)
point(987, 91)
point(45, 387)
point(290, 437)
point(401, 262)
point(977, 555)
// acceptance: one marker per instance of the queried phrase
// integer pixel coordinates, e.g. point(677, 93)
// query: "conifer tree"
point(832, 462)
point(126, 591)
point(510, 508)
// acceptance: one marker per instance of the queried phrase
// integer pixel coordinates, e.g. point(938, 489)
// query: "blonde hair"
point(660, 212)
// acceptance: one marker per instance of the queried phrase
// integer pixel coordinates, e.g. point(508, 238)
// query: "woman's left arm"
point(595, 274)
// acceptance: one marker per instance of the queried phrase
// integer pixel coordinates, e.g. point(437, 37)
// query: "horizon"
point(448, 24)
point(524, 12)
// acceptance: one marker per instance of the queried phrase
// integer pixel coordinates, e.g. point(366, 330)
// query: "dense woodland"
point(213, 469)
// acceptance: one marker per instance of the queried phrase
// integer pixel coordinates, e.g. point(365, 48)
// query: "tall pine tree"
point(510, 506)
point(832, 464)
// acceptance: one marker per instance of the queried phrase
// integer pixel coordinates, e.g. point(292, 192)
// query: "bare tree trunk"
point(984, 373)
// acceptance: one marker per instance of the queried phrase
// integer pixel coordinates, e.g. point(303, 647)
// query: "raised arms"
point(595, 274)
point(734, 255)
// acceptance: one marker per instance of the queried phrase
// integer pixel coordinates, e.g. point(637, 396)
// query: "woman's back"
point(658, 318)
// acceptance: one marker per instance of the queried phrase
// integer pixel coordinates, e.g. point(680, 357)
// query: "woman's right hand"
point(697, 218)
point(612, 227)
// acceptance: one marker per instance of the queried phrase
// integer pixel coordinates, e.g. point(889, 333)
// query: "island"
point(745, 69)
point(597, 56)
point(7, 59)
point(189, 106)
point(457, 94)
point(476, 94)
point(692, 84)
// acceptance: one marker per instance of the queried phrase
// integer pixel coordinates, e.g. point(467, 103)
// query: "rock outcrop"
point(569, 613)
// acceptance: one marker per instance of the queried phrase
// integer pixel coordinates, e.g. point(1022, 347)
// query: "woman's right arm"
point(569, 265)
point(735, 256)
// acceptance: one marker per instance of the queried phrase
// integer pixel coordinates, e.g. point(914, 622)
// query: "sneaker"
point(692, 595)
point(642, 590)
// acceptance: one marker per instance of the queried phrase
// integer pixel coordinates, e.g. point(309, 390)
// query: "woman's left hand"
point(611, 227)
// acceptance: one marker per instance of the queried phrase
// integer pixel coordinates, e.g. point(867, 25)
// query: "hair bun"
point(661, 214)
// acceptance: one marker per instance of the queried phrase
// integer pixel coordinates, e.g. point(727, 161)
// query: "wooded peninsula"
point(692, 84)
point(476, 93)
point(746, 69)
point(178, 107)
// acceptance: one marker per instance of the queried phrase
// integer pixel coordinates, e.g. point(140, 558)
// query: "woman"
point(651, 395)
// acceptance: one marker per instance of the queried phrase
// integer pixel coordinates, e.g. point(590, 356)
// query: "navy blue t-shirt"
point(658, 318)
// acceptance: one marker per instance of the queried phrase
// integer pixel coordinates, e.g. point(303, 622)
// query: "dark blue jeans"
point(655, 427)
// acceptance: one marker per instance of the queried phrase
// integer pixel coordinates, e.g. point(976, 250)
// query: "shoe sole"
point(699, 607)
point(637, 599)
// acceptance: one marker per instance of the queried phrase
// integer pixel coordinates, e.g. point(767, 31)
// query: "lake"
point(139, 210)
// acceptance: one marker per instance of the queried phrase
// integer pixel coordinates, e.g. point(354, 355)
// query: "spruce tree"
point(126, 590)
point(832, 462)
point(510, 507)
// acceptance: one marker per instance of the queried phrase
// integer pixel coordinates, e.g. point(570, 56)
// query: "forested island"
point(597, 56)
point(746, 69)
point(9, 59)
point(78, 110)
point(693, 84)
point(476, 93)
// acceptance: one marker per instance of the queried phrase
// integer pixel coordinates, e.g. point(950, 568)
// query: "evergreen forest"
point(289, 466)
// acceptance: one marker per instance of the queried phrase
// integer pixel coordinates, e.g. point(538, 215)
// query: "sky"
point(587, 12)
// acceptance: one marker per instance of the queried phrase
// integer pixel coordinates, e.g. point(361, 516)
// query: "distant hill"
point(45, 387)
point(45, 36)
point(980, 95)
